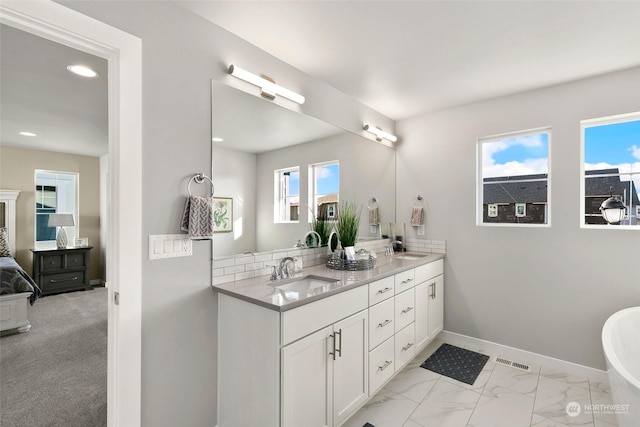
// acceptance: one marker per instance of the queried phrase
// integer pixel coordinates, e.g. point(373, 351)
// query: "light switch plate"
point(163, 246)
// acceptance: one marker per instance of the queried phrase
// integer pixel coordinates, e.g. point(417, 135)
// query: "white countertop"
point(262, 291)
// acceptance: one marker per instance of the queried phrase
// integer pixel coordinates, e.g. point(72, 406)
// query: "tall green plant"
point(348, 222)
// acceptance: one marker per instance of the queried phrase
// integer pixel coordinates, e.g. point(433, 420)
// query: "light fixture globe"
point(613, 210)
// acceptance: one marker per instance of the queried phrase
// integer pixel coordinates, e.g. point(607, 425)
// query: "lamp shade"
point(612, 210)
point(61, 220)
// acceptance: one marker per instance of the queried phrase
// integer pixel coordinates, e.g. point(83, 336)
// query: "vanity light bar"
point(379, 133)
point(269, 88)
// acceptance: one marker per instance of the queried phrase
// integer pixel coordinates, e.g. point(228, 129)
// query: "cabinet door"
point(306, 381)
point(351, 366)
point(436, 305)
point(422, 314)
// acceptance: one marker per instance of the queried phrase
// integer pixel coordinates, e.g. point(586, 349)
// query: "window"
point(56, 192)
point(324, 189)
point(287, 191)
point(610, 166)
point(513, 179)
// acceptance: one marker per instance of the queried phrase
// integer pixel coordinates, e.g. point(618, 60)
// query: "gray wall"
point(181, 53)
point(546, 290)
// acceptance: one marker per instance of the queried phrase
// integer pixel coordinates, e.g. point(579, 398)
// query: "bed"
point(17, 289)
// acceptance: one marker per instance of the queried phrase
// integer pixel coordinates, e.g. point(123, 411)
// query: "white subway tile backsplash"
point(223, 262)
point(234, 269)
point(245, 275)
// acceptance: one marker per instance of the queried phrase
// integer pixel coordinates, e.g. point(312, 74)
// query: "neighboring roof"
point(331, 198)
point(516, 189)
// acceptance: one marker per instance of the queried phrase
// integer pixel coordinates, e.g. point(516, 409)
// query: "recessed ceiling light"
point(24, 133)
point(82, 70)
point(217, 139)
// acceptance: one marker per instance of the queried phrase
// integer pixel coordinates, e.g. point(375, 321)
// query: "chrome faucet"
point(283, 271)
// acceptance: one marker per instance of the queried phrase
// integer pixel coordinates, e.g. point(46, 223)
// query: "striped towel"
point(197, 218)
point(417, 216)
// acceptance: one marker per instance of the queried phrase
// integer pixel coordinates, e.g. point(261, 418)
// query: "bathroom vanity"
point(311, 350)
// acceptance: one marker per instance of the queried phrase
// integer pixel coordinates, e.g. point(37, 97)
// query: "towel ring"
point(419, 201)
point(372, 203)
point(199, 179)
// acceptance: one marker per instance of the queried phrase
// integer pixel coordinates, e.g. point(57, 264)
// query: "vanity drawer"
point(381, 324)
point(405, 349)
point(381, 365)
point(428, 271)
point(404, 280)
point(75, 260)
point(301, 321)
point(380, 290)
point(404, 309)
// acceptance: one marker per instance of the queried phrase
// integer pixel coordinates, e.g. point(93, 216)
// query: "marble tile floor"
point(501, 396)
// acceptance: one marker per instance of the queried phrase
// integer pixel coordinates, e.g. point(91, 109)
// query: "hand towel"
point(417, 216)
point(373, 216)
point(197, 218)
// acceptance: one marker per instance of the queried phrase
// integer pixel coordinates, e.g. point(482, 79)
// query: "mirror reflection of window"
point(287, 206)
point(55, 192)
point(324, 189)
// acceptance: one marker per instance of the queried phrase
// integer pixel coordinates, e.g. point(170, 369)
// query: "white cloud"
point(528, 167)
point(635, 151)
point(324, 173)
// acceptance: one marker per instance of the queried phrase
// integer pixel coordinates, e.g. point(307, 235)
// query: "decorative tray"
point(335, 262)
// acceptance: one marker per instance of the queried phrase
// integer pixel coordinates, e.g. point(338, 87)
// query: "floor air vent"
point(507, 362)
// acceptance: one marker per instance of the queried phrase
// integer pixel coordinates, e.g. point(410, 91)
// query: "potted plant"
point(347, 224)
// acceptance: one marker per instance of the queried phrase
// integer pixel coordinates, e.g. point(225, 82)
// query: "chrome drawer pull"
point(406, 310)
point(385, 323)
point(65, 280)
point(382, 291)
point(404, 282)
point(407, 347)
point(385, 365)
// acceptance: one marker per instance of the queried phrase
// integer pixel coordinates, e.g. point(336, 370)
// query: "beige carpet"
point(56, 374)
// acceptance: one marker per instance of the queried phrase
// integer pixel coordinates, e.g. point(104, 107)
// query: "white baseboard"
point(523, 356)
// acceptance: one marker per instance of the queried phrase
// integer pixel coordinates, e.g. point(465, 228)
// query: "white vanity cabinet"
point(429, 301)
point(325, 376)
point(316, 364)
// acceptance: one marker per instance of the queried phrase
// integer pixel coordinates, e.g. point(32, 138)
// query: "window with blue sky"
point(611, 167)
point(513, 178)
point(324, 189)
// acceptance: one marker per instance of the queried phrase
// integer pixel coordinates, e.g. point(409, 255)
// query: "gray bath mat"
point(457, 363)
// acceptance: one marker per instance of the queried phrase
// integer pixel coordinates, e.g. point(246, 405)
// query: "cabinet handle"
point(385, 323)
point(382, 291)
point(336, 350)
point(432, 292)
point(385, 365)
point(406, 310)
point(65, 280)
point(404, 282)
point(407, 347)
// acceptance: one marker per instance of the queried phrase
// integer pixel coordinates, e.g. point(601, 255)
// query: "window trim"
point(45, 244)
point(480, 181)
point(312, 187)
point(584, 124)
point(277, 195)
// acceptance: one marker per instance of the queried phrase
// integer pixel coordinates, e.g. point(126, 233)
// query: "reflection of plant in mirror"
point(220, 218)
point(348, 222)
point(323, 227)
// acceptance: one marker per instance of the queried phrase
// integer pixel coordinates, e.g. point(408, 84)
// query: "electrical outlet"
point(169, 246)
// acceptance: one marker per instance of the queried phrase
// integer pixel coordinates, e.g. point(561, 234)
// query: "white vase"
point(61, 240)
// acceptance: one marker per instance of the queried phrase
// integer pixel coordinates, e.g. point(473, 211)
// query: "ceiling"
point(67, 113)
point(404, 58)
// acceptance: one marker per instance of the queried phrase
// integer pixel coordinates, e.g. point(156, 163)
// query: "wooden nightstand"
point(61, 270)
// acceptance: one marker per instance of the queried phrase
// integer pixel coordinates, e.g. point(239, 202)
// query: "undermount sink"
point(305, 285)
point(412, 256)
